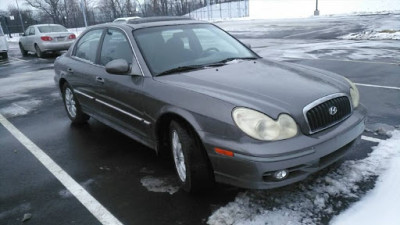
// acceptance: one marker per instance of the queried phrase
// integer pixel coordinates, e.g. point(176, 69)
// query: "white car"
point(44, 38)
point(125, 19)
point(3, 45)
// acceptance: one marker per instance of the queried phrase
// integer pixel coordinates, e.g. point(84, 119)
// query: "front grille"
point(321, 116)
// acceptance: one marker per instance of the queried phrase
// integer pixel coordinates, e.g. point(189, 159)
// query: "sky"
point(4, 4)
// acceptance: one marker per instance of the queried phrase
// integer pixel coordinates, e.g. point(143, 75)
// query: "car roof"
point(153, 22)
point(162, 21)
point(127, 18)
point(50, 24)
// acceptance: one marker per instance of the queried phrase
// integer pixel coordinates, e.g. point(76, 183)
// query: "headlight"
point(262, 127)
point(354, 94)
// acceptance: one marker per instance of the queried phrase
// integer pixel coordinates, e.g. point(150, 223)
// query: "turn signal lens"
point(46, 38)
point(72, 36)
point(224, 152)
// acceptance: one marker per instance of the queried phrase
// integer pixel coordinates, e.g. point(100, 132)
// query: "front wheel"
point(72, 106)
point(190, 159)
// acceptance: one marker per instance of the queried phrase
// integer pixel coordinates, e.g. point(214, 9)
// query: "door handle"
point(100, 80)
point(70, 70)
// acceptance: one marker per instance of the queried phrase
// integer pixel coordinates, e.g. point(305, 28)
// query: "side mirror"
point(248, 45)
point(117, 66)
point(22, 34)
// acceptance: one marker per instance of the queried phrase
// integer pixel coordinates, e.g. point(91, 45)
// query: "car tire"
point(23, 51)
point(72, 106)
point(39, 52)
point(190, 159)
point(4, 55)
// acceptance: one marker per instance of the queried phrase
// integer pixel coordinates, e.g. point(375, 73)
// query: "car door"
point(25, 39)
point(122, 94)
point(82, 69)
point(31, 39)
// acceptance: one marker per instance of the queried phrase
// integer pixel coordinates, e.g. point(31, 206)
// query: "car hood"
point(267, 86)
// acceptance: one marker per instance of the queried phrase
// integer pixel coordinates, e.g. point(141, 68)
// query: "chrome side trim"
point(322, 100)
point(119, 110)
point(86, 95)
point(113, 107)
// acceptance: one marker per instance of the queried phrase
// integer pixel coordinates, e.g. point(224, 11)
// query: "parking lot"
point(126, 182)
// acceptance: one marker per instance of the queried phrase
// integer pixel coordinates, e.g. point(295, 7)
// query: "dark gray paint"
point(205, 98)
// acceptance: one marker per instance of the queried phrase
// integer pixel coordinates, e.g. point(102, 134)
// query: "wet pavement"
point(114, 169)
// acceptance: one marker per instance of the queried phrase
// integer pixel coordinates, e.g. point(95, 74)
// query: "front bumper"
point(55, 46)
point(301, 155)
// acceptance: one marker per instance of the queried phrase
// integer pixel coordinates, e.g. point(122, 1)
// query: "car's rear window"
point(51, 29)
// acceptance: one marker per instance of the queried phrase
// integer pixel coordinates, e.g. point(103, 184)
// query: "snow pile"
point(381, 205)
point(318, 201)
point(387, 29)
point(154, 184)
point(374, 35)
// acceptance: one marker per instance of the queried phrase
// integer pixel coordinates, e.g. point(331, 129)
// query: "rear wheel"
point(190, 159)
point(39, 52)
point(23, 52)
point(72, 106)
point(4, 55)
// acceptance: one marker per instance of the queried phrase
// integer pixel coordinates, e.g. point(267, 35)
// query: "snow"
point(277, 9)
point(20, 108)
point(321, 197)
point(19, 85)
point(374, 35)
point(165, 184)
point(15, 92)
point(381, 205)
point(261, 9)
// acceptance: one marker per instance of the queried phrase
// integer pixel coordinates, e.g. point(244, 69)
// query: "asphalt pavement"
point(112, 168)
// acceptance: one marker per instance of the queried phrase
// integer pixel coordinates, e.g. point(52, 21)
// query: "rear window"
point(51, 29)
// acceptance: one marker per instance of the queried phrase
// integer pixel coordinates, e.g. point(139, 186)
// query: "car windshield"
point(191, 46)
point(51, 29)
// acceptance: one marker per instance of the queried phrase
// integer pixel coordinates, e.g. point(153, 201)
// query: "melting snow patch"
point(154, 184)
point(20, 108)
point(373, 35)
point(316, 202)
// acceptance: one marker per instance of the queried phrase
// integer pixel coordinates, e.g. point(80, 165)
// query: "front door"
point(121, 95)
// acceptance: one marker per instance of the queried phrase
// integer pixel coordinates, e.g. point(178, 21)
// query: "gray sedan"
point(44, 38)
point(190, 89)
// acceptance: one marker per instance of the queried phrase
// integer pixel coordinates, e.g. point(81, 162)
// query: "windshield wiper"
point(181, 69)
point(222, 62)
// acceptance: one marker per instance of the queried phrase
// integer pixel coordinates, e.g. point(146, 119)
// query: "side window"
point(86, 48)
point(27, 31)
point(115, 46)
point(32, 31)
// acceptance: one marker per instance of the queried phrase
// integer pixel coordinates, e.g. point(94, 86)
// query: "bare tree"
point(49, 7)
